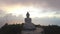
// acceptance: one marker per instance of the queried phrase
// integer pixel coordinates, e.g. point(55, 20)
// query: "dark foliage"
point(11, 29)
point(38, 26)
point(51, 29)
point(17, 28)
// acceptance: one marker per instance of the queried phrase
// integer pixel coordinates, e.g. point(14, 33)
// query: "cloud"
point(52, 4)
point(47, 21)
point(12, 19)
point(2, 13)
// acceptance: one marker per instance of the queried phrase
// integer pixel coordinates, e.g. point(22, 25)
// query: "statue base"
point(29, 26)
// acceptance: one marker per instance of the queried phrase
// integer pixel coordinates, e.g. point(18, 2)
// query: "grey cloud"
point(9, 18)
point(57, 12)
point(47, 21)
point(43, 21)
point(2, 13)
point(54, 11)
point(23, 2)
point(52, 3)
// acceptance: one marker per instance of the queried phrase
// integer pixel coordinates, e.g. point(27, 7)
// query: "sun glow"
point(22, 10)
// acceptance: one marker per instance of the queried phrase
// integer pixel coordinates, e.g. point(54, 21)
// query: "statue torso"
point(27, 20)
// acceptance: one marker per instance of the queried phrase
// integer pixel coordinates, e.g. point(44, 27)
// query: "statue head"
point(27, 14)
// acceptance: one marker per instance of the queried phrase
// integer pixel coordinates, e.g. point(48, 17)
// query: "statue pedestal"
point(29, 26)
point(36, 31)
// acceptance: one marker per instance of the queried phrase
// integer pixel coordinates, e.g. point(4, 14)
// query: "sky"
point(42, 12)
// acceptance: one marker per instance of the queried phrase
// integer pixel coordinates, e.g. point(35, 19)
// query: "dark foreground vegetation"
point(51, 29)
point(17, 28)
point(11, 29)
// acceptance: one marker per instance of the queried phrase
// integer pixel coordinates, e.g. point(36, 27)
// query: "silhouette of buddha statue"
point(28, 24)
point(27, 20)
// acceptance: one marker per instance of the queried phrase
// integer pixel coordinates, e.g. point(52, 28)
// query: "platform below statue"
point(29, 26)
point(36, 31)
